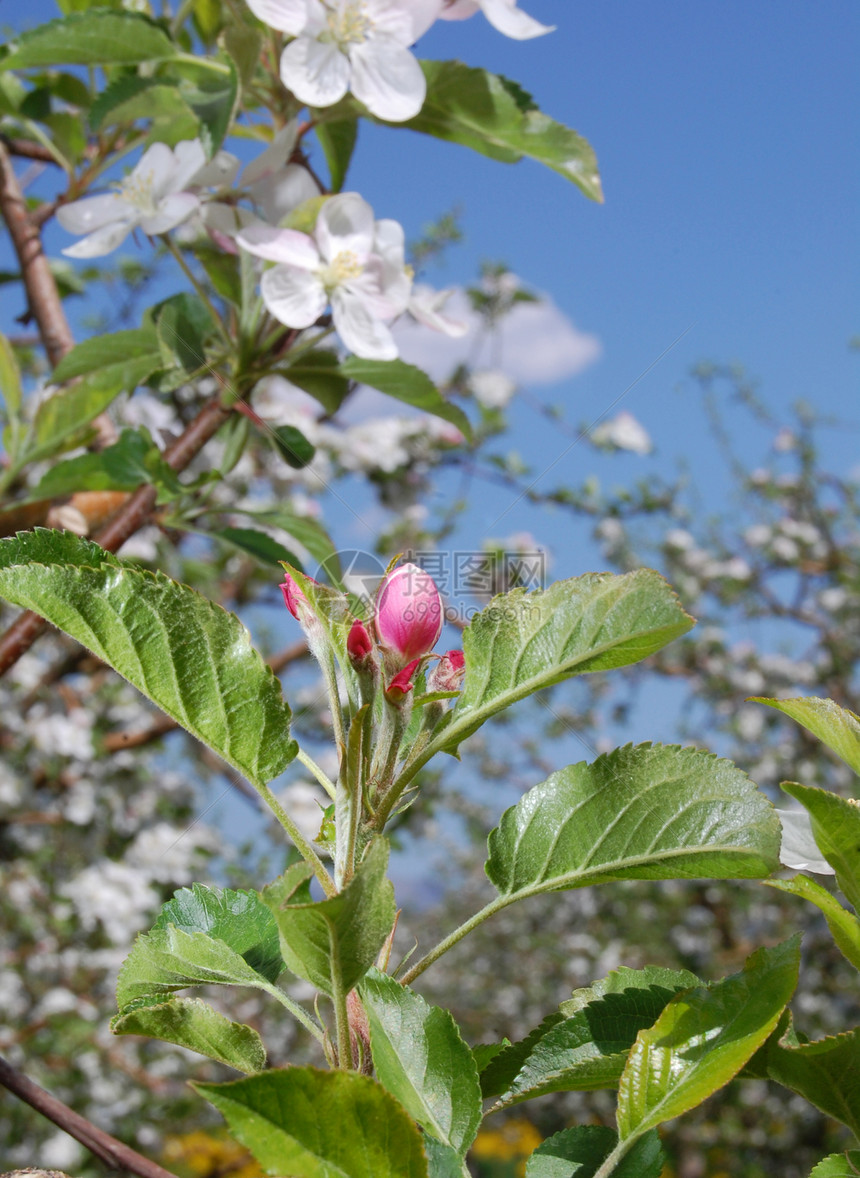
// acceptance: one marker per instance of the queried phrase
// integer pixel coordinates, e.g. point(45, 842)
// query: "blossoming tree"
point(403, 1095)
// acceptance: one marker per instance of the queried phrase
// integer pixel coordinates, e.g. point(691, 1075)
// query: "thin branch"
point(107, 1148)
point(129, 519)
point(42, 294)
point(27, 149)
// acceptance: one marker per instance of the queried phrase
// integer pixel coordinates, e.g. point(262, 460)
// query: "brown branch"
point(27, 149)
point(42, 294)
point(105, 1147)
point(129, 519)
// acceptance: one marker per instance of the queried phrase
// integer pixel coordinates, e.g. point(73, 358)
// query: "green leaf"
point(98, 37)
point(581, 1151)
point(244, 45)
point(103, 352)
point(836, 827)
point(222, 270)
point(443, 1161)
point(836, 726)
point(314, 1124)
point(293, 446)
point(107, 366)
point(640, 812)
point(130, 462)
point(406, 383)
point(485, 1053)
point(333, 943)
point(169, 959)
point(194, 1024)
point(306, 531)
point(588, 1049)
point(421, 1059)
point(258, 544)
point(844, 925)
point(839, 1165)
point(238, 918)
point(10, 378)
point(115, 95)
point(495, 117)
point(525, 641)
point(318, 373)
point(337, 140)
point(183, 326)
point(825, 1072)
point(703, 1038)
point(189, 656)
point(211, 95)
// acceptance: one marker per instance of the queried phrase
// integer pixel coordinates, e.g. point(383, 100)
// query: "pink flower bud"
point(408, 612)
point(448, 673)
point(358, 642)
point(400, 686)
point(293, 596)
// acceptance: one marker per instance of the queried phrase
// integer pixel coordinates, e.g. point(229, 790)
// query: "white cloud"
point(536, 343)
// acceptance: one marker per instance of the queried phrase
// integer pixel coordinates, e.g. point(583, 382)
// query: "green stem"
point(298, 1012)
point(181, 14)
point(206, 63)
point(451, 940)
point(322, 777)
point(199, 288)
point(301, 843)
point(608, 1167)
point(341, 1013)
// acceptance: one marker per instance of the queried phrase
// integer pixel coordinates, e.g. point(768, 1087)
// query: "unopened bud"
point(448, 673)
point(293, 596)
point(408, 613)
point(400, 686)
point(359, 645)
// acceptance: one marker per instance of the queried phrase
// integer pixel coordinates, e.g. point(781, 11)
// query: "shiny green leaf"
point(194, 1024)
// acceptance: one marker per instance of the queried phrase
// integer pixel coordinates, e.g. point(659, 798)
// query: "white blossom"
point(502, 15)
point(360, 46)
point(352, 262)
point(491, 388)
point(623, 432)
point(426, 305)
point(274, 185)
point(154, 196)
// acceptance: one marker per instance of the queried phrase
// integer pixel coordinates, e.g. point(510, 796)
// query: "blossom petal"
point(284, 191)
point(274, 157)
point(382, 289)
point(361, 331)
point(155, 171)
point(427, 306)
point(387, 79)
point(190, 158)
point(316, 72)
point(459, 9)
point(219, 172)
point(280, 245)
point(405, 22)
point(103, 241)
point(287, 16)
point(83, 216)
point(345, 223)
point(225, 221)
point(295, 297)
point(512, 21)
point(172, 211)
point(799, 849)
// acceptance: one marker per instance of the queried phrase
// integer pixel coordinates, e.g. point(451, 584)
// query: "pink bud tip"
point(401, 684)
point(358, 642)
point(448, 673)
point(294, 597)
point(409, 612)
